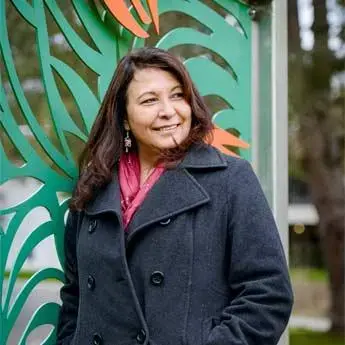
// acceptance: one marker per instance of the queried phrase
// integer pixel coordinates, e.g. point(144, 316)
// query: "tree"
point(318, 110)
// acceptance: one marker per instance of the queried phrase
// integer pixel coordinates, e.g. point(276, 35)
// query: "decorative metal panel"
point(45, 118)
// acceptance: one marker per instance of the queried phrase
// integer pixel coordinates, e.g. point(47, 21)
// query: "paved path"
point(47, 292)
point(321, 324)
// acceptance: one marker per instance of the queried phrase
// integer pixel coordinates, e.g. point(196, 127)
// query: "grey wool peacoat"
point(201, 263)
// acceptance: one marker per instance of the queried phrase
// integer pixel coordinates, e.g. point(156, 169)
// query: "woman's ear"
point(126, 125)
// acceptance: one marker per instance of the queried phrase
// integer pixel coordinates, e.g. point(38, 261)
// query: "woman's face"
point(158, 115)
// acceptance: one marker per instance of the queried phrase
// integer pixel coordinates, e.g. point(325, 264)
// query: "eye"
point(149, 100)
point(178, 95)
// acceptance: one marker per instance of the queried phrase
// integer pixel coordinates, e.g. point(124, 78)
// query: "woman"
point(168, 241)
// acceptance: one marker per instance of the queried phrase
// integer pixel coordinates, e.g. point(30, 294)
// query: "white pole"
point(255, 108)
point(280, 124)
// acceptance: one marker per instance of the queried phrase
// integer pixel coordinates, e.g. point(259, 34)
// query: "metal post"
point(255, 95)
point(280, 124)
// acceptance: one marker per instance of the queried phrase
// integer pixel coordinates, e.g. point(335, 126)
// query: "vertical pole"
point(255, 109)
point(280, 124)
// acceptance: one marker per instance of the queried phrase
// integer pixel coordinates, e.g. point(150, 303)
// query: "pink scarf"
point(132, 194)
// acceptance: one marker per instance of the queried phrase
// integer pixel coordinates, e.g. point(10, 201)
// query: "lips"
point(166, 128)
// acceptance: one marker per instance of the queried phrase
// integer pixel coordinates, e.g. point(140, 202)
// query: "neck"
point(147, 162)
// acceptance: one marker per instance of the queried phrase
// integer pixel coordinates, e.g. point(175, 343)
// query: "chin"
point(170, 145)
point(166, 147)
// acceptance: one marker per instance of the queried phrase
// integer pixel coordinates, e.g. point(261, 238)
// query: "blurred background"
point(316, 41)
point(316, 133)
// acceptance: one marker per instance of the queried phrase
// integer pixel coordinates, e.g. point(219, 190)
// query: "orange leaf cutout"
point(222, 137)
point(141, 11)
point(153, 6)
point(120, 11)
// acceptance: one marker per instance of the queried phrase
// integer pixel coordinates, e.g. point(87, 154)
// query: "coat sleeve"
point(261, 294)
point(69, 292)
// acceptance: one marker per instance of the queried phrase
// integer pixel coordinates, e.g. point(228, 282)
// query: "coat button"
point(97, 339)
point(91, 282)
point(165, 222)
point(141, 336)
point(92, 226)
point(157, 278)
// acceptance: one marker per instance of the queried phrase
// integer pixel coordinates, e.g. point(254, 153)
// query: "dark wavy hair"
point(105, 144)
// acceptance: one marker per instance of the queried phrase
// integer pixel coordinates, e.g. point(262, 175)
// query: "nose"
point(167, 109)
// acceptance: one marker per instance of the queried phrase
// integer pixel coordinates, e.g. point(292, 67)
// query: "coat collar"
point(203, 157)
point(175, 192)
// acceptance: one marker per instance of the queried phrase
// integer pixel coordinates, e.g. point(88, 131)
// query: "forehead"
point(151, 80)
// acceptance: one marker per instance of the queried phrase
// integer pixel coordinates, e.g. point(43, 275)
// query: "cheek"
point(188, 118)
point(138, 120)
point(139, 129)
point(186, 110)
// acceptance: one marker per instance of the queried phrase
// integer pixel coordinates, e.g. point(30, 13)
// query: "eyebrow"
point(154, 93)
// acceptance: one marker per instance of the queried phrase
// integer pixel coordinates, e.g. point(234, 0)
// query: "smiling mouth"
point(166, 128)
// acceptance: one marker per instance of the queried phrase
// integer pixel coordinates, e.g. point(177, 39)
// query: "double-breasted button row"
point(141, 336)
point(97, 339)
point(92, 226)
point(91, 282)
point(157, 278)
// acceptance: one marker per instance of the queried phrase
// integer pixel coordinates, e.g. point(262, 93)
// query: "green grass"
point(303, 337)
point(310, 274)
point(21, 275)
point(25, 275)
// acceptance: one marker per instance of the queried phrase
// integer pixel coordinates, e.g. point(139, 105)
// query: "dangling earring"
point(128, 142)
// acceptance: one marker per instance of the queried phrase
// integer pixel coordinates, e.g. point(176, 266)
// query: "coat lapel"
point(107, 199)
point(177, 190)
